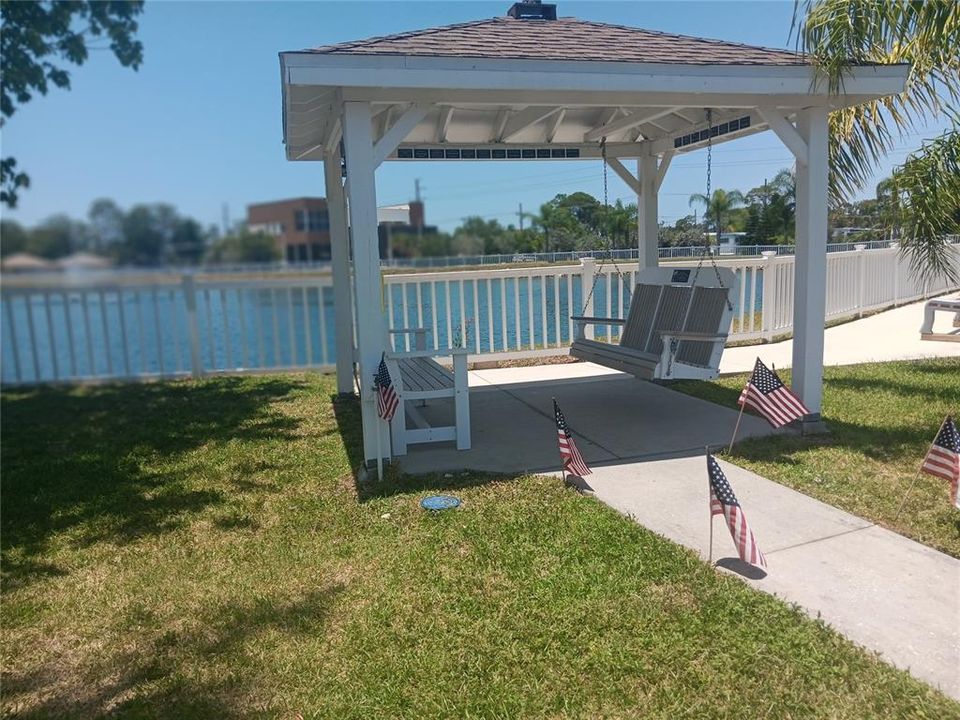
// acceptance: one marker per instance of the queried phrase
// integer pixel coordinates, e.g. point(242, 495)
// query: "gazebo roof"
point(528, 86)
point(563, 39)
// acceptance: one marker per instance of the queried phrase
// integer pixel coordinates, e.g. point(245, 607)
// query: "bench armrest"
point(438, 352)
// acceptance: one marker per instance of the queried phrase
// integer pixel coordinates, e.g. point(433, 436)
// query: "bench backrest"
point(678, 299)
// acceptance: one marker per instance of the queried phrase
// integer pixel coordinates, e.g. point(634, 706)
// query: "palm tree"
point(838, 33)
point(718, 206)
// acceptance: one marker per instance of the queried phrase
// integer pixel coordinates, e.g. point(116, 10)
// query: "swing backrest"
point(679, 300)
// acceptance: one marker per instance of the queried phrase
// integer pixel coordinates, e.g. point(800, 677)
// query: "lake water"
point(70, 333)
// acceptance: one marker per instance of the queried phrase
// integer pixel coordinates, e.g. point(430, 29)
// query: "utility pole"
point(416, 194)
point(225, 210)
point(520, 215)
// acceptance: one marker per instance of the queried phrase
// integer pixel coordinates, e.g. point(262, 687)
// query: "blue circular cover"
point(439, 502)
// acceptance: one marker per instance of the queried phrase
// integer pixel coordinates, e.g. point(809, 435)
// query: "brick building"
point(300, 227)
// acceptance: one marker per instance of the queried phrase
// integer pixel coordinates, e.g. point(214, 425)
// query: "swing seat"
point(676, 328)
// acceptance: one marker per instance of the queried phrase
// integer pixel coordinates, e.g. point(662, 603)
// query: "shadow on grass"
point(167, 675)
point(85, 460)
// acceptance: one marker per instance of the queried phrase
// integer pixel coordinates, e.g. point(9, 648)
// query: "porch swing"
point(678, 321)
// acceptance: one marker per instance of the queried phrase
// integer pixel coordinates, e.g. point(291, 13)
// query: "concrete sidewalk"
point(879, 589)
point(890, 335)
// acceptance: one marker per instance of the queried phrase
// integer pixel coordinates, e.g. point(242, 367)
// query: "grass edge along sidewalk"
point(199, 549)
point(881, 419)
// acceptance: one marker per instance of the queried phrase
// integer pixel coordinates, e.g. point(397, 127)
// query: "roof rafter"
point(555, 124)
point(612, 127)
point(524, 119)
point(443, 122)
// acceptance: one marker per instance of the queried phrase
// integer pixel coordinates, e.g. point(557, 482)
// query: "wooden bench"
point(417, 378)
point(940, 305)
point(676, 327)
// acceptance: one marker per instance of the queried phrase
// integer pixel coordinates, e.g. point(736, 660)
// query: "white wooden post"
point(810, 281)
point(587, 278)
point(647, 227)
point(769, 294)
point(193, 328)
point(368, 291)
point(340, 260)
point(461, 400)
point(861, 277)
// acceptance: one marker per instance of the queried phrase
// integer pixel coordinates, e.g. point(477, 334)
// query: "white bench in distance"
point(418, 377)
point(940, 305)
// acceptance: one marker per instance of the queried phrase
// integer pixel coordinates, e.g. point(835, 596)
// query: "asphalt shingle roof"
point(563, 39)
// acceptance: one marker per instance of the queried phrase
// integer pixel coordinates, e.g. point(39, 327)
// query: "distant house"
point(728, 242)
point(25, 262)
point(83, 261)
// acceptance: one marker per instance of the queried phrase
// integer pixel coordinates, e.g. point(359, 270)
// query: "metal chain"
point(608, 243)
point(707, 249)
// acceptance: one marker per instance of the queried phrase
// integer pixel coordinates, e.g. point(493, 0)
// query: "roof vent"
point(532, 10)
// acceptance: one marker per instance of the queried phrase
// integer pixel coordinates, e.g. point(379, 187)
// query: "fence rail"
point(172, 325)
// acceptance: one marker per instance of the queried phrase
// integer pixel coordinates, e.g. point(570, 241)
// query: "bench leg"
point(398, 429)
point(461, 401)
point(928, 313)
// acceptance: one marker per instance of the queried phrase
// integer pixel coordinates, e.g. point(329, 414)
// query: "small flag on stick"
point(570, 456)
point(387, 400)
point(943, 458)
point(766, 393)
point(724, 502)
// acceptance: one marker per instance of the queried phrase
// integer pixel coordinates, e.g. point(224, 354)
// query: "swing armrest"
point(581, 322)
point(692, 336)
point(586, 320)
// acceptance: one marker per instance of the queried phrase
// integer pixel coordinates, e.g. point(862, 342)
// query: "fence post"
point(587, 276)
point(769, 294)
point(193, 328)
point(895, 246)
point(861, 276)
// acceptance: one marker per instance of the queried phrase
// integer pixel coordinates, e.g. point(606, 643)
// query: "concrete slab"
point(614, 417)
point(883, 591)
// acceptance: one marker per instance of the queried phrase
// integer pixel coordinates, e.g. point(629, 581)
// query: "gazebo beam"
point(617, 126)
point(368, 288)
point(624, 174)
point(787, 133)
point(398, 131)
point(524, 119)
point(662, 168)
point(648, 227)
point(810, 279)
point(340, 261)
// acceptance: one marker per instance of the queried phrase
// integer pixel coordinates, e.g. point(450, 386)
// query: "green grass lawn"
point(199, 550)
point(882, 418)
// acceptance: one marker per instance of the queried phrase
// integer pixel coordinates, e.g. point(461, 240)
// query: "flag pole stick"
point(735, 429)
point(563, 465)
point(710, 510)
point(915, 477)
point(379, 454)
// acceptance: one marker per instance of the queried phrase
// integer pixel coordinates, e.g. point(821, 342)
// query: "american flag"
point(572, 459)
point(724, 502)
point(767, 394)
point(387, 400)
point(943, 458)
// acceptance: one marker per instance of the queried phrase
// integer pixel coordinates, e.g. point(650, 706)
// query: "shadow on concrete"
point(739, 567)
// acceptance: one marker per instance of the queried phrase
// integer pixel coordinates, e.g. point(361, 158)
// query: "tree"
point(13, 237)
point(106, 223)
point(39, 38)
point(719, 206)
point(927, 200)
point(57, 236)
point(926, 35)
point(244, 247)
point(187, 242)
point(146, 229)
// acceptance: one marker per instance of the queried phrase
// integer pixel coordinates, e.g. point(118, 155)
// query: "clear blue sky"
point(199, 124)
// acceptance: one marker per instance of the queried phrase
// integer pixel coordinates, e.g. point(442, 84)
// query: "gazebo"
point(532, 86)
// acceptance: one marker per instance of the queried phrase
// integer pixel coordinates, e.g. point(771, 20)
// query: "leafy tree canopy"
point(39, 39)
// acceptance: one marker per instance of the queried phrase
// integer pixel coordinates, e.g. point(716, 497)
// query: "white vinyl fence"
point(129, 326)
